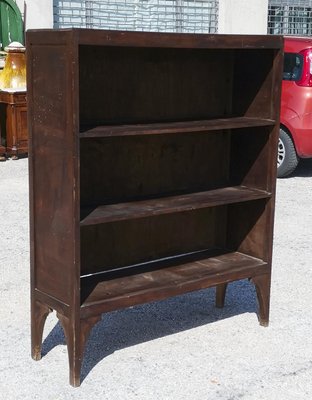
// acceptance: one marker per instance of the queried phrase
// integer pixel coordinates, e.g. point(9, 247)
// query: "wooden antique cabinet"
point(13, 116)
point(152, 170)
point(2, 145)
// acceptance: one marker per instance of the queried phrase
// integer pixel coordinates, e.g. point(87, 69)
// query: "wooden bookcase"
point(152, 170)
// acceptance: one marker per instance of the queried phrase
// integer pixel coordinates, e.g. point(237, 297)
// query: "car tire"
point(287, 159)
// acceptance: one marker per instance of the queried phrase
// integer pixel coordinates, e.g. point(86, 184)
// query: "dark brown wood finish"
point(2, 143)
point(175, 127)
point(40, 312)
point(13, 115)
point(152, 170)
point(173, 204)
point(123, 288)
point(220, 294)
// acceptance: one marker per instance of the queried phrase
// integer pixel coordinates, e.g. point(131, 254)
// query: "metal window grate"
point(290, 17)
point(142, 15)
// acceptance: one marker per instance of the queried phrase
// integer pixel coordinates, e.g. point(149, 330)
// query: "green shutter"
point(11, 24)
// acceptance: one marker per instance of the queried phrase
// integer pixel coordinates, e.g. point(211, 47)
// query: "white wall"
point(235, 16)
point(39, 13)
point(243, 16)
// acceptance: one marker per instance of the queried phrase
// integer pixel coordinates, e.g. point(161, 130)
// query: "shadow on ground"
point(304, 169)
point(128, 327)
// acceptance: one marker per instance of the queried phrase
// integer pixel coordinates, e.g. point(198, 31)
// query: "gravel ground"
point(181, 348)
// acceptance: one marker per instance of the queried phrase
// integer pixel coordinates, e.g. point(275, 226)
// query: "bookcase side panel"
point(52, 159)
point(253, 78)
point(273, 147)
point(250, 233)
point(253, 160)
point(251, 157)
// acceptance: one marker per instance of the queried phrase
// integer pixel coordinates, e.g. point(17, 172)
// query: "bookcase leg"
point(76, 336)
point(262, 284)
point(220, 294)
point(39, 313)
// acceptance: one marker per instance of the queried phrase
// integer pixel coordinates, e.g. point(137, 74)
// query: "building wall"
point(290, 17)
point(140, 15)
point(243, 16)
point(235, 16)
point(39, 13)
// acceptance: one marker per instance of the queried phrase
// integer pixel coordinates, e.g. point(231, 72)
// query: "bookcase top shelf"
point(82, 36)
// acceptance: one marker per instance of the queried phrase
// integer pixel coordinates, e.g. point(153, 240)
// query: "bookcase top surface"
point(83, 36)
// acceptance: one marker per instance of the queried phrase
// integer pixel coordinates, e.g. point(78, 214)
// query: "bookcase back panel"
point(113, 245)
point(136, 85)
point(121, 169)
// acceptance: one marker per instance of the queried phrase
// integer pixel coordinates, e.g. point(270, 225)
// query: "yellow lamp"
point(13, 75)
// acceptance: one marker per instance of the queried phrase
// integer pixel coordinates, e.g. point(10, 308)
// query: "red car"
point(295, 140)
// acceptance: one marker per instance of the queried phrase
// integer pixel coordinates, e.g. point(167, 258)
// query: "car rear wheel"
point(287, 159)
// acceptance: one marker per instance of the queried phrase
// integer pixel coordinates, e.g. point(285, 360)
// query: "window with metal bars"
point(290, 17)
point(200, 16)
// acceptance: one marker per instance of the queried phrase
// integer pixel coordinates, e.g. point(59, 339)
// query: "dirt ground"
point(177, 349)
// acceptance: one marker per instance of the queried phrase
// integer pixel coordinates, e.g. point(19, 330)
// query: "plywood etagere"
point(152, 170)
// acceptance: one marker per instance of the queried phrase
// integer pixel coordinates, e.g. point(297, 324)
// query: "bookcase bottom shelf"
point(162, 279)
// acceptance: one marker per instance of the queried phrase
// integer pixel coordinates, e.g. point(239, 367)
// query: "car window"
point(293, 66)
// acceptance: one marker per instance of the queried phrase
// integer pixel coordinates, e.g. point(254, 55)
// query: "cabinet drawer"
point(20, 98)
